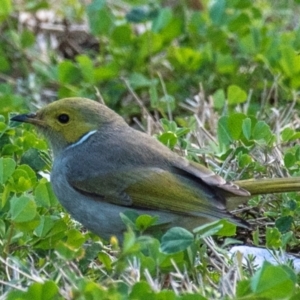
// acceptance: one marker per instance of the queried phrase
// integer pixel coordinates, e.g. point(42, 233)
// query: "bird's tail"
point(270, 185)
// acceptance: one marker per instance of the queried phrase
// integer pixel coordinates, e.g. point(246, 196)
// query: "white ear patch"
point(83, 139)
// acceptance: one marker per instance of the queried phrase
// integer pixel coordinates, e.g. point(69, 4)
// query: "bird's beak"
point(26, 118)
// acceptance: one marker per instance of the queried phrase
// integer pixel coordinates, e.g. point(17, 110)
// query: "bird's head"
point(66, 121)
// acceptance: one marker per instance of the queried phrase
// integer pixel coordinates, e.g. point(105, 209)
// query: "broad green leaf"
point(246, 128)
point(138, 80)
point(284, 223)
point(287, 134)
point(169, 125)
point(33, 158)
point(296, 136)
point(166, 103)
point(169, 139)
point(23, 179)
point(273, 282)
point(219, 98)
point(217, 11)
point(14, 294)
point(187, 58)
point(68, 252)
point(223, 132)
point(166, 295)
point(68, 72)
point(56, 234)
point(28, 227)
point(236, 95)
point(75, 238)
point(225, 64)
point(208, 229)
point(172, 30)
point(289, 160)
point(106, 260)
point(143, 289)
point(219, 227)
point(100, 17)
point(105, 72)
point(141, 14)
point(86, 68)
point(292, 204)
point(241, 23)
point(286, 238)
point(290, 61)
point(30, 173)
point(295, 80)
point(234, 123)
point(182, 131)
point(176, 240)
point(44, 195)
point(273, 238)
point(144, 221)
point(167, 261)
point(244, 160)
point(22, 209)
point(30, 140)
point(129, 242)
point(129, 218)
point(5, 194)
point(228, 228)
point(42, 291)
point(7, 168)
point(97, 4)
point(243, 288)
point(162, 20)
point(122, 35)
point(261, 131)
point(46, 224)
point(150, 42)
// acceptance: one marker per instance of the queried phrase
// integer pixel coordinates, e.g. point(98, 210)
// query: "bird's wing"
point(156, 189)
point(199, 172)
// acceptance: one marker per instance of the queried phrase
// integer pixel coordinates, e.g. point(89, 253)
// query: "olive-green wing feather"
point(209, 177)
point(157, 189)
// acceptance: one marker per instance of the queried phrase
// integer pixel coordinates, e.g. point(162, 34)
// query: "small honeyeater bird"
point(103, 167)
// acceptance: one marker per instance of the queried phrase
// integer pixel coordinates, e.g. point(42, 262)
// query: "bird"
point(103, 167)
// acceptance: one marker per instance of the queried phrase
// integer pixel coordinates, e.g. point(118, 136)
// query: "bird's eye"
point(63, 118)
